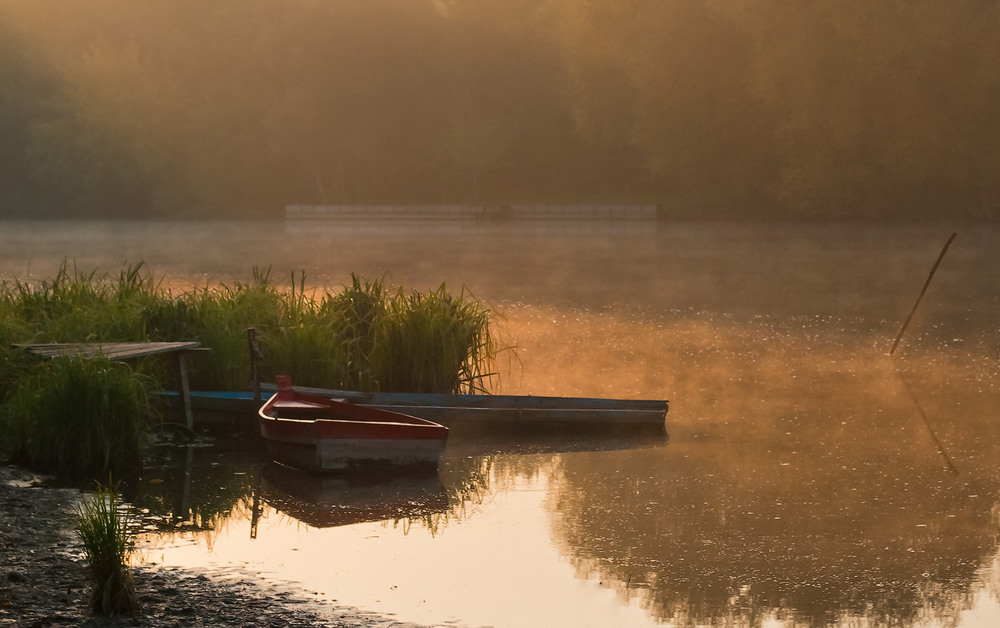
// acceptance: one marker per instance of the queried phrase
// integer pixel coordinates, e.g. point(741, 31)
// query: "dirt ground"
point(44, 579)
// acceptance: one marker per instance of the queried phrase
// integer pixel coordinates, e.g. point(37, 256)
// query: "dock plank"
point(110, 350)
point(119, 351)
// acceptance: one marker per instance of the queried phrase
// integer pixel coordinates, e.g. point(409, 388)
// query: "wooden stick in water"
point(926, 284)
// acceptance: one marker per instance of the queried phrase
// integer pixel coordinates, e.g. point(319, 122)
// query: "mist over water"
point(810, 477)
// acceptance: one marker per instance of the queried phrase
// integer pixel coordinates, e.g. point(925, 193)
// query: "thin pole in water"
point(926, 284)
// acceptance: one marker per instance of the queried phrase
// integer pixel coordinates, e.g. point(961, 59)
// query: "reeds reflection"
point(195, 488)
point(808, 487)
point(202, 490)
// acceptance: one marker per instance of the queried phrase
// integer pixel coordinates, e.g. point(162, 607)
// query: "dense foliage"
point(240, 107)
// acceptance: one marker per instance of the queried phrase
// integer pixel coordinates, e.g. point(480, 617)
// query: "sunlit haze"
point(731, 205)
point(734, 109)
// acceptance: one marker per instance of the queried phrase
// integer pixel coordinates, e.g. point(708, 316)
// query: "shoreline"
point(44, 580)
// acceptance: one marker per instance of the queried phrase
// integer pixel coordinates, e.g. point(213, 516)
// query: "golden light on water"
point(802, 482)
point(496, 566)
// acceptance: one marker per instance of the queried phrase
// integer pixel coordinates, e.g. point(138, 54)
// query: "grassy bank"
point(366, 336)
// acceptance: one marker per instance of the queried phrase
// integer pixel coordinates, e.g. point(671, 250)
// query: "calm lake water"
point(810, 479)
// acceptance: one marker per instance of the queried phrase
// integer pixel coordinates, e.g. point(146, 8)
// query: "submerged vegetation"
point(76, 415)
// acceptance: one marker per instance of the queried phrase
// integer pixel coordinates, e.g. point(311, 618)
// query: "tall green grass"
point(78, 417)
point(106, 527)
point(13, 362)
point(363, 337)
point(77, 306)
point(351, 318)
point(433, 342)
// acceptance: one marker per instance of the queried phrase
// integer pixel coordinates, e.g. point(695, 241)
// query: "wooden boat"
point(322, 434)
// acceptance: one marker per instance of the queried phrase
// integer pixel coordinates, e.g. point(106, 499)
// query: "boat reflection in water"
point(326, 501)
point(332, 500)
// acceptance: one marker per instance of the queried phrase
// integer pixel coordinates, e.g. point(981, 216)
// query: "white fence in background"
point(460, 212)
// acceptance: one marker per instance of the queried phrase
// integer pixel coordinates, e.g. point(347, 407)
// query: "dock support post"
point(254, 358)
point(185, 389)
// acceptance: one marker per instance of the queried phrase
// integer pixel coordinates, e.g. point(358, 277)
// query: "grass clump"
point(106, 527)
point(76, 306)
point(361, 338)
point(78, 416)
point(433, 342)
point(352, 317)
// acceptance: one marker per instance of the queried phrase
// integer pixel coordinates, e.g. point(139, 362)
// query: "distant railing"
point(472, 212)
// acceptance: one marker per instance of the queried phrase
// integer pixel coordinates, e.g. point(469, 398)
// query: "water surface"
point(810, 478)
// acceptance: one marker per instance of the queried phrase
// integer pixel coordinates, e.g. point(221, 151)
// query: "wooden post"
point(185, 389)
point(926, 284)
point(254, 357)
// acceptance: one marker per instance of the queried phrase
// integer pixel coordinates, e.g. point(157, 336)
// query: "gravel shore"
point(44, 580)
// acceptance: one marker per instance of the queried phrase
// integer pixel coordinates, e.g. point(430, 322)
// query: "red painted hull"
point(320, 434)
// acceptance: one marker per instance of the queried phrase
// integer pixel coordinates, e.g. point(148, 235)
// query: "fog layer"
point(236, 108)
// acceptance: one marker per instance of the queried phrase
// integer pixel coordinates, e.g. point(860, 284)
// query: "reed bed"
point(106, 527)
point(433, 342)
point(79, 417)
point(365, 337)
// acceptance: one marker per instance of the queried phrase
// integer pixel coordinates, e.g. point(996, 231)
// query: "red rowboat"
point(322, 434)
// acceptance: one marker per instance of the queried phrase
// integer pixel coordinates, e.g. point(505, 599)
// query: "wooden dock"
point(518, 411)
point(121, 351)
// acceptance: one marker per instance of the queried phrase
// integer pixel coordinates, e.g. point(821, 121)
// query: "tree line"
point(737, 108)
